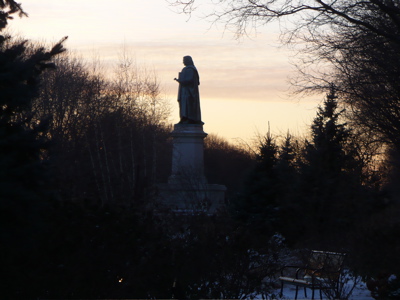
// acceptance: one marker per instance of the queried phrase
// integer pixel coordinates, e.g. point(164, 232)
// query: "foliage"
point(374, 250)
point(309, 193)
point(7, 9)
point(226, 164)
point(212, 260)
point(331, 151)
point(109, 136)
point(342, 289)
point(363, 63)
point(23, 139)
point(369, 85)
point(256, 207)
point(91, 252)
point(330, 188)
point(24, 178)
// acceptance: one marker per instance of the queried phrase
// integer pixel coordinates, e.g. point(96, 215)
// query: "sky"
point(244, 83)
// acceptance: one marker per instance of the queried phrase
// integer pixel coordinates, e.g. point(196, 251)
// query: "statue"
point(188, 93)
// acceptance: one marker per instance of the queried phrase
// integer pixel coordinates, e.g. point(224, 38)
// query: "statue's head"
point(187, 60)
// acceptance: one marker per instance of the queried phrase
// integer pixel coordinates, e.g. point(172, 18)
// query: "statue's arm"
point(186, 76)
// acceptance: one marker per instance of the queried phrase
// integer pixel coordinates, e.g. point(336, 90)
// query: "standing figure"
point(188, 93)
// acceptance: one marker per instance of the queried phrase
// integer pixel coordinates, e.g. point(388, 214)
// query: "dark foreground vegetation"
point(80, 156)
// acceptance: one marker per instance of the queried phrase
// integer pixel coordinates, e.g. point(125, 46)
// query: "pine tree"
point(330, 174)
point(257, 206)
point(287, 151)
point(288, 185)
point(327, 149)
point(22, 139)
point(23, 148)
point(7, 9)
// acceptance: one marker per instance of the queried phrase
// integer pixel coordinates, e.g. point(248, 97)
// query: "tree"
point(287, 164)
point(23, 154)
point(330, 189)
point(8, 8)
point(364, 67)
point(327, 151)
point(109, 136)
point(257, 206)
point(23, 141)
point(367, 78)
point(226, 164)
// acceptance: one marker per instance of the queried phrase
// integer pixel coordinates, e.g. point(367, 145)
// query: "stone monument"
point(187, 189)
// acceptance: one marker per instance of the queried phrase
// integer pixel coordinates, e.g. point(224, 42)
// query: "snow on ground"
point(360, 292)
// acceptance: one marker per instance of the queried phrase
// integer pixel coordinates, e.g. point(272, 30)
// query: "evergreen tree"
point(287, 152)
point(257, 206)
point(7, 9)
point(23, 146)
point(327, 149)
point(287, 164)
point(330, 175)
point(22, 139)
point(288, 185)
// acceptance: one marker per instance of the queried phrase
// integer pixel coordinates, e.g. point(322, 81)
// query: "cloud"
point(230, 71)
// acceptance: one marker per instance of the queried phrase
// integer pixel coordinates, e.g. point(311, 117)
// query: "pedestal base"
point(187, 189)
point(204, 198)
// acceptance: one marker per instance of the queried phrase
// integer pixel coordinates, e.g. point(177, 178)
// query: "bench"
point(322, 271)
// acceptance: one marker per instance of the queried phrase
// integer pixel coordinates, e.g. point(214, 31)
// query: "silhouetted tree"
point(23, 154)
point(8, 8)
point(287, 164)
point(327, 151)
point(109, 136)
point(364, 65)
point(367, 81)
point(288, 183)
point(257, 207)
point(23, 139)
point(226, 164)
point(330, 187)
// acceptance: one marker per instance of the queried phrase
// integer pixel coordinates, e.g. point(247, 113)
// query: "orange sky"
point(243, 83)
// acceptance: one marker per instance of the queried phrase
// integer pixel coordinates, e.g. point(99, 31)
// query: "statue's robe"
point(188, 95)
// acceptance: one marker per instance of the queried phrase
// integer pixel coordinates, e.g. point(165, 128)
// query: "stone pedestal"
point(187, 154)
point(187, 189)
